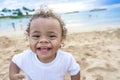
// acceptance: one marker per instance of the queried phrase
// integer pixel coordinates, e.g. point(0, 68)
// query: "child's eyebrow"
point(51, 32)
point(48, 32)
point(35, 32)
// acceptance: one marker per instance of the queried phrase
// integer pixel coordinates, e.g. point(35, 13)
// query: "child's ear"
point(62, 39)
point(26, 36)
point(62, 44)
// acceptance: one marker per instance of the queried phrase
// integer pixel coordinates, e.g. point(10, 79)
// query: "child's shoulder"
point(27, 51)
point(65, 54)
point(24, 53)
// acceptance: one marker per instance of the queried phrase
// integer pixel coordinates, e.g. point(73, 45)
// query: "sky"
point(61, 5)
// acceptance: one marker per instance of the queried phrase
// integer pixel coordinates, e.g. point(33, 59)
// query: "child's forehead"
point(45, 29)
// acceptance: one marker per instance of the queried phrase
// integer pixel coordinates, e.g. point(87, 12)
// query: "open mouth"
point(44, 49)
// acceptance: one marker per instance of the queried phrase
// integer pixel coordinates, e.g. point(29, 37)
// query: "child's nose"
point(43, 40)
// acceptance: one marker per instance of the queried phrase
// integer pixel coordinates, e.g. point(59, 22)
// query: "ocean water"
point(81, 19)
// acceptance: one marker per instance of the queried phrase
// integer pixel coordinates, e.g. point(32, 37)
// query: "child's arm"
point(14, 72)
point(76, 77)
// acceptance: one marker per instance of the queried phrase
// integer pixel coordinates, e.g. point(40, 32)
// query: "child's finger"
point(18, 76)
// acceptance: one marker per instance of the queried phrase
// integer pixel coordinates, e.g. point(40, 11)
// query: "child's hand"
point(18, 76)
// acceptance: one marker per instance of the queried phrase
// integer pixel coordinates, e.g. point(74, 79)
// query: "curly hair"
point(45, 12)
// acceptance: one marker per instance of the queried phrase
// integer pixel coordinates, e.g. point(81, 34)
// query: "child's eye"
point(52, 36)
point(35, 36)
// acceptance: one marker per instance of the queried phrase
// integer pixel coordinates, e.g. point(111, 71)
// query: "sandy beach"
point(97, 52)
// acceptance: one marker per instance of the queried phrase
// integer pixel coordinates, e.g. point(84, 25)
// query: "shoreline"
point(71, 28)
point(81, 28)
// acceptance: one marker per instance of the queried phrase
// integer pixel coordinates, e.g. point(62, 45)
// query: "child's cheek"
point(57, 44)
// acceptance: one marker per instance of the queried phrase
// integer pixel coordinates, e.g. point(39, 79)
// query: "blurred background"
point(79, 15)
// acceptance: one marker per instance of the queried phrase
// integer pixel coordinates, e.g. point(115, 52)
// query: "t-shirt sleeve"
point(18, 59)
point(74, 67)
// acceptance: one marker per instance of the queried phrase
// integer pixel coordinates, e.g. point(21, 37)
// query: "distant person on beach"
point(21, 25)
point(13, 26)
point(45, 60)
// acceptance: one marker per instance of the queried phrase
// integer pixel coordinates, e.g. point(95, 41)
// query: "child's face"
point(45, 38)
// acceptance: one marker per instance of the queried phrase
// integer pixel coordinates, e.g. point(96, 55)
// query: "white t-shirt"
point(55, 70)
